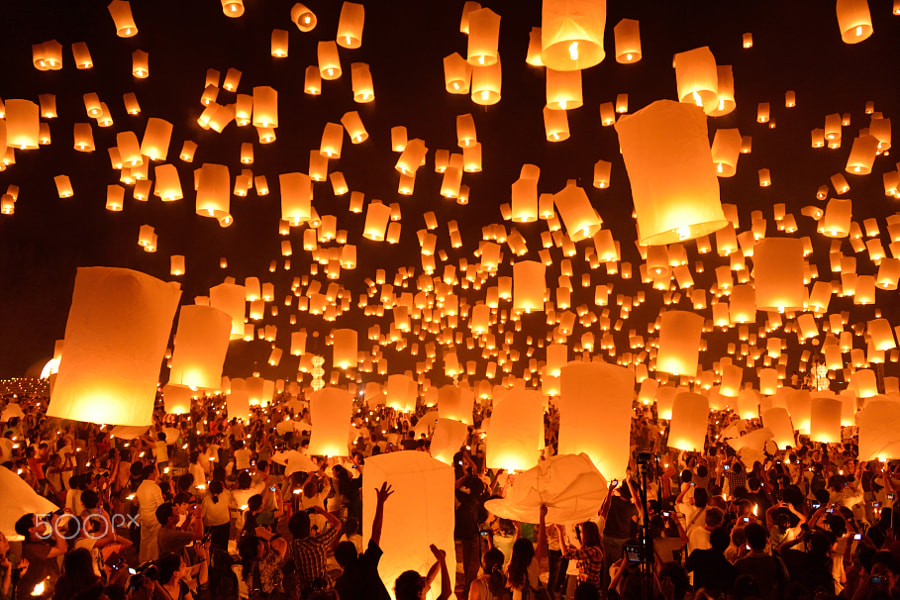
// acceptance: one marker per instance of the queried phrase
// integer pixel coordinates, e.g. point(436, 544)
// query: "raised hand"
point(381, 495)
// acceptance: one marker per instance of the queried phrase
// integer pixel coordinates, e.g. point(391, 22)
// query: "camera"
point(666, 513)
point(485, 532)
point(876, 580)
point(632, 553)
point(727, 467)
point(857, 536)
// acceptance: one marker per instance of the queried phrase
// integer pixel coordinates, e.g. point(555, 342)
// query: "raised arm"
point(381, 495)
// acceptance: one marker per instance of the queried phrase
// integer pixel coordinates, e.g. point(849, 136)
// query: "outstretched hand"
point(439, 554)
point(381, 495)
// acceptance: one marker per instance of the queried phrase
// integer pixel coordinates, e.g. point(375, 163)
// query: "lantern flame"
point(573, 50)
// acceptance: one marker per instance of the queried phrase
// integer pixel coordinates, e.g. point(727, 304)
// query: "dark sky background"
point(797, 46)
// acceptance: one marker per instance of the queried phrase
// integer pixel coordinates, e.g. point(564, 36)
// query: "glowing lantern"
point(329, 61)
point(201, 342)
point(63, 186)
point(265, 107)
point(726, 92)
point(486, 84)
point(457, 74)
point(572, 34)
point(22, 124)
point(177, 399)
point(862, 155)
point(82, 56)
point(864, 383)
point(516, 432)
point(778, 421)
point(350, 25)
point(116, 334)
point(836, 222)
point(332, 140)
point(455, 403)
point(312, 83)
point(213, 193)
point(673, 180)
point(726, 149)
point(679, 342)
point(230, 299)
point(418, 513)
point(732, 376)
point(401, 392)
point(484, 34)
point(377, 217)
point(602, 169)
point(556, 124)
point(778, 274)
point(115, 197)
point(140, 64)
point(176, 267)
point(697, 78)
point(690, 418)
point(330, 410)
point(361, 82)
point(825, 419)
point(579, 382)
point(303, 18)
point(854, 20)
point(296, 194)
point(563, 89)
point(575, 209)
point(84, 137)
point(345, 348)
point(627, 34)
point(449, 436)
point(768, 380)
point(238, 401)
point(155, 143)
point(279, 43)
point(120, 11)
point(799, 404)
point(529, 285)
point(233, 8)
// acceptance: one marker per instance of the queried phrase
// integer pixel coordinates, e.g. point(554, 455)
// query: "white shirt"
point(242, 459)
point(148, 496)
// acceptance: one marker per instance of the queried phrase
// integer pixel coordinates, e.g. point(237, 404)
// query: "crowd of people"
point(200, 506)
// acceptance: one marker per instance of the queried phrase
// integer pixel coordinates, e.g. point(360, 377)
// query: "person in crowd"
point(712, 571)
point(215, 510)
point(149, 497)
point(309, 552)
point(768, 571)
point(42, 546)
point(360, 577)
point(410, 585)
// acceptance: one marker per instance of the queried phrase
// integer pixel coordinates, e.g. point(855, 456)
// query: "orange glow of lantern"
point(350, 25)
point(120, 11)
point(572, 34)
point(854, 20)
point(690, 417)
point(697, 78)
point(627, 35)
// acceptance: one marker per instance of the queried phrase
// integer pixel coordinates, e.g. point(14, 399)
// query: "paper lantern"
point(456, 403)
point(862, 155)
point(864, 383)
point(176, 267)
point(330, 410)
point(529, 285)
point(556, 124)
point(22, 124)
point(140, 64)
point(116, 334)
point(679, 342)
point(725, 92)
point(726, 149)
point(377, 217)
point(742, 308)
point(345, 348)
point(457, 74)
point(836, 221)
point(214, 193)
point(419, 513)
point(329, 60)
point(627, 34)
point(563, 89)
point(673, 180)
point(580, 406)
point(201, 342)
point(350, 25)
point(82, 56)
point(572, 34)
point(230, 299)
point(120, 11)
point(516, 433)
point(854, 20)
point(296, 194)
point(778, 421)
point(312, 82)
point(690, 419)
point(115, 196)
point(748, 402)
point(486, 84)
point(361, 82)
point(303, 18)
point(576, 212)
point(825, 420)
point(484, 35)
point(449, 437)
point(778, 269)
point(176, 399)
point(265, 106)
point(279, 43)
point(155, 143)
point(401, 392)
point(697, 78)
point(881, 334)
point(732, 376)
point(799, 405)
point(768, 380)
point(238, 400)
point(233, 8)
point(63, 186)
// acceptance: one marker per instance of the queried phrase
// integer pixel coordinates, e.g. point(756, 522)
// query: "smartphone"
point(633, 553)
point(817, 506)
point(615, 482)
point(310, 510)
point(746, 519)
point(485, 533)
point(272, 488)
point(874, 505)
point(666, 513)
point(727, 467)
point(857, 537)
point(876, 580)
point(131, 571)
point(829, 510)
point(693, 484)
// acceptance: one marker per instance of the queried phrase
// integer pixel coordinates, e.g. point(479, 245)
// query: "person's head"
point(78, 567)
point(522, 554)
point(738, 536)
point(298, 525)
point(713, 517)
point(151, 472)
point(590, 534)
point(161, 436)
point(34, 528)
point(244, 480)
point(737, 468)
point(90, 499)
point(756, 536)
point(254, 504)
point(701, 498)
point(345, 554)
point(886, 568)
point(216, 487)
point(686, 476)
point(185, 482)
point(702, 471)
point(718, 539)
point(167, 514)
point(171, 568)
point(194, 456)
point(410, 585)
point(350, 526)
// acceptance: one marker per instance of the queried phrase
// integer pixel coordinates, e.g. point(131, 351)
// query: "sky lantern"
point(176, 399)
point(825, 419)
point(296, 194)
point(449, 436)
point(862, 155)
point(726, 148)
point(690, 419)
point(529, 285)
point(332, 140)
point(140, 64)
point(836, 221)
point(457, 74)
point(82, 56)
point(854, 20)
point(238, 400)
point(377, 217)
point(778, 421)
point(22, 124)
point(116, 335)
point(63, 186)
point(572, 33)
point(799, 405)
point(726, 103)
point(576, 212)
point(155, 143)
point(679, 342)
point(303, 18)
point(556, 124)
point(563, 89)
point(345, 348)
point(214, 193)
point(670, 167)
point(84, 137)
point(401, 392)
point(697, 78)
point(330, 410)
point(487, 83)
point(778, 274)
point(279, 43)
point(361, 82)
point(265, 107)
point(418, 513)
point(233, 8)
point(231, 299)
point(329, 60)
point(115, 197)
point(484, 35)
point(312, 82)
point(516, 433)
point(350, 25)
point(579, 407)
point(120, 11)
point(201, 342)
point(627, 33)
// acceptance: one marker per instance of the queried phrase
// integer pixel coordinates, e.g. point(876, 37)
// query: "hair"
point(164, 512)
point(737, 468)
point(590, 534)
point(248, 550)
point(78, 574)
point(254, 503)
point(298, 525)
point(493, 561)
point(216, 488)
point(718, 539)
point(148, 470)
point(244, 481)
point(345, 554)
point(168, 564)
point(161, 436)
point(25, 523)
point(756, 536)
point(522, 554)
point(90, 499)
point(194, 456)
point(185, 481)
point(701, 498)
point(350, 526)
point(408, 585)
point(714, 516)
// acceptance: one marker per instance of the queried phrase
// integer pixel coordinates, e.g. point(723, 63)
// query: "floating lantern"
point(838, 214)
point(579, 406)
point(697, 78)
point(296, 195)
point(673, 180)
point(628, 41)
point(23, 126)
point(361, 82)
point(690, 419)
point(345, 349)
point(265, 107)
point(63, 186)
point(679, 342)
point(484, 34)
point(116, 334)
point(486, 84)
point(201, 342)
point(529, 285)
point(350, 25)
point(572, 34)
point(556, 124)
point(279, 43)
point(329, 60)
point(862, 155)
point(449, 436)
point(799, 405)
point(778, 421)
point(140, 64)
point(726, 92)
point(176, 399)
point(575, 209)
point(120, 11)
point(854, 20)
point(330, 410)
point(155, 143)
point(516, 433)
point(303, 18)
point(457, 74)
point(82, 56)
point(213, 193)
point(726, 149)
point(563, 89)
point(778, 274)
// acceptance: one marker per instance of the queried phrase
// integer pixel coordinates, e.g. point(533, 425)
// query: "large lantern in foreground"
point(116, 335)
point(516, 433)
point(673, 179)
point(330, 410)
